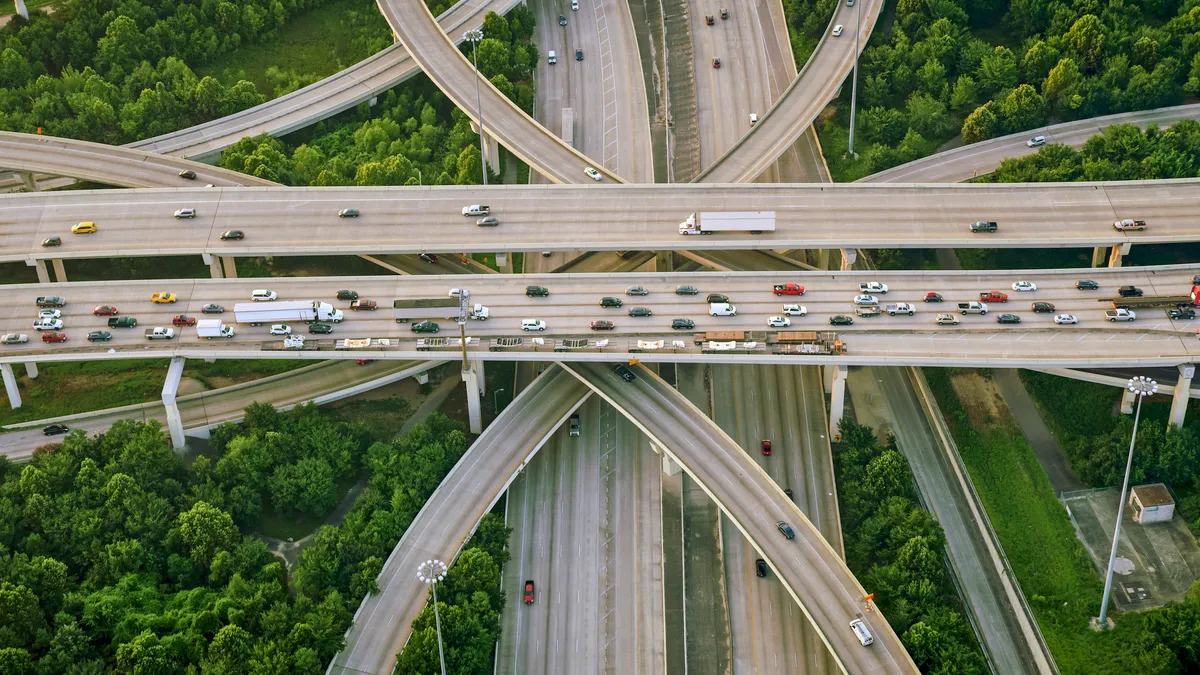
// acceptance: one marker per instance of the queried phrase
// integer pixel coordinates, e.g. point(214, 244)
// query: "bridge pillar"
point(1183, 387)
point(837, 398)
point(60, 273)
point(21, 8)
point(823, 258)
point(1098, 254)
point(669, 466)
point(664, 261)
point(477, 366)
point(27, 177)
point(491, 147)
point(501, 259)
point(230, 265)
point(42, 273)
point(1127, 402)
point(474, 411)
point(214, 265)
point(10, 385)
point(849, 257)
point(1118, 252)
point(170, 389)
point(31, 369)
point(423, 377)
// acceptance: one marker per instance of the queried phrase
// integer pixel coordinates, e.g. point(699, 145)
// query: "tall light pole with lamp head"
point(1141, 387)
point(474, 36)
point(854, 83)
point(429, 573)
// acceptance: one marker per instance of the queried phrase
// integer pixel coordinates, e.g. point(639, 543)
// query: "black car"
point(1086, 285)
point(636, 290)
point(347, 295)
point(212, 308)
point(788, 492)
point(578, 54)
point(537, 292)
point(683, 324)
point(841, 320)
point(1182, 312)
point(428, 257)
point(229, 235)
point(562, 20)
point(348, 213)
point(99, 336)
point(933, 297)
point(760, 567)
point(717, 297)
point(425, 327)
point(52, 241)
point(624, 372)
point(54, 429)
point(1008, 318)
point(708, 19)
point(320, 328)
point(1042, 308)
point(786, 529)
point(686, 290)
point(640, 311)
point(608, 301)
point(1129, 292)
point(188, 174)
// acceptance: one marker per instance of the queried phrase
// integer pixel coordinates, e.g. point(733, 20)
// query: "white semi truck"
point(261, 313)
point(708, 222)
point(213, 328)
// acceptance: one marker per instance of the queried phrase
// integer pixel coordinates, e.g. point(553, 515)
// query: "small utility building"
point(1151, 503)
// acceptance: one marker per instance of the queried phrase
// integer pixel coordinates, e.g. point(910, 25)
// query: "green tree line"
point(1120, 152)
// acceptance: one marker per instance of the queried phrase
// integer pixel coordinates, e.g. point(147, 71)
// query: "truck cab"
point(973, 308)
point(1129, 225)
point(788, 289)
point(122, 322)
point(993, 296)
point(160, 333)
point(1120, 314)
point(901, 308)
point(983, 226)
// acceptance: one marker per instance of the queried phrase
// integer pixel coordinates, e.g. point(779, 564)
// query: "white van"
point(551, 57)
point(861, 632)
point(533, 324)
point(721, 309)
point(263, 295)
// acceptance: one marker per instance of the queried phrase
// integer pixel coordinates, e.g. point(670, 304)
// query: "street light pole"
point(495, 399)
point(854, 83)
point(1140, 387)
point(430, 572)
point(474, 36)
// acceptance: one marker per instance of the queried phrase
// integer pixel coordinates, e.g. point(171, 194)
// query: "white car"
point(281, 329)
point(753, 119)
point(263, 295)
point(866, 300)
point(873, 287)
point(1024, 286)
point(48, 324)
point(185, 213)
point(533, 324)
point(1036, 141)
point(837, 30)
point(779, 322)
point(593, 174)
point(14, 339)
point(795, 310)
point(50, 314)
point(1065, 319)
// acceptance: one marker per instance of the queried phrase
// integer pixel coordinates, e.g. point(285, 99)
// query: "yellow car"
point(163, 298)
point(83, 228)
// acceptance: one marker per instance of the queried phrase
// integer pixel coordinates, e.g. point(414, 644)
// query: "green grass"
point(1072, 408)
point(311, 46)
point(1053, 568)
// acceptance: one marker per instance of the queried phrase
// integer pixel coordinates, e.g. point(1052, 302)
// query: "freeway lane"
point(815, 576)
point(303, 221)
point(382, 622)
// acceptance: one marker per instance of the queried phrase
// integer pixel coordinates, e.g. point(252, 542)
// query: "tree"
point(965, 95)
point(496, 26)
point(981, 124)
point(997, 72)
point(494, 58)
point(1086, 41)
point(206, 530)
point(928, 115)
point(229, 651)
point(1061, 86)
point(1022, 109)
point(883, 125)
point(308, 486)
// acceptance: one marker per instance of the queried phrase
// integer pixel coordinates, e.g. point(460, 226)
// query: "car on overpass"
point(536, 325)
point(682, 324)
point(932, 297)
point(636, 290)
point(212, 308)
point(785, 529)
point(537, 292)
point(717, 297)
point(686, 290)
point(1066, 319)
point(1087, 285)
point(188, 174)
point(1024, 286)
point(866, 300)
point(609, 301)
point(83, 228)
point(105, 310)
point(185, 213)
point(233, 235)
point(528, 595)
point(640, 311)
point(946, 319)
point(476, 210)
point(622, 371)
point(281, 329)
point(1036, 141)
point(1008, 318)
point(54, 336)
point(841, 320)
point(52, 241)
point(163, 298)
point(323, 328)
point(1042, 307)
point(795, 310)
point(603, 325)
point(348, 213)
point(589, 171)
point(425, 327)
point(760, 567)
point(54, 429)
point(99, 336)
point(14, 339)
point(779, 322)
point(765, 444)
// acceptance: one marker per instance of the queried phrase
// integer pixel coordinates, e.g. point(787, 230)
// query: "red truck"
point(183, 320)
point(364, 304)
point(993, 296)
point(789, 289)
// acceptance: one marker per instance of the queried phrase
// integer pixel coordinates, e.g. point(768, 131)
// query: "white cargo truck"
point(708, 222)
point(213, 328)
point(258, 314)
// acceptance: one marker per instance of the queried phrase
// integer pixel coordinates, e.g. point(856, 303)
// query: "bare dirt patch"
point(980, 397)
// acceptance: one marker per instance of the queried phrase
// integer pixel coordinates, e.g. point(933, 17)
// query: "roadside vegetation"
point(899, 552)
point(118, 556)
point(807, 23)
point(935, 70)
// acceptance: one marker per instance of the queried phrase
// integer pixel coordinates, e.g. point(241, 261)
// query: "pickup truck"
point(901, 308)
point(50, 301)
point(160, 333)
point(993, 296)
point(364, 304)
point(984, 226)
point(122, 322)
point(873, 287)
point(1129, 225)
point(1182, 313)
point(972, 308)
point(1121, 314)
point(789, 289)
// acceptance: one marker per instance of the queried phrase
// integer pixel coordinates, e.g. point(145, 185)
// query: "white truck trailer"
point(261, 313)
point(708, 222)
point(213, 328)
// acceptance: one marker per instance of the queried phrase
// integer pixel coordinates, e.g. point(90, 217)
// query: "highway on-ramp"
point(810, 569)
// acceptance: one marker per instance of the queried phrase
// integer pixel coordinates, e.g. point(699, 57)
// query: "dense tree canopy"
point(1121, 152)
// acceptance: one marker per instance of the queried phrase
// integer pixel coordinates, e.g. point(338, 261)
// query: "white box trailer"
point(708, 222)
point(261, 313)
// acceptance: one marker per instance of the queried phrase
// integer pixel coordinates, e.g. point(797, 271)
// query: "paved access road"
point(815, 576)
point(382, 622)
point(965, 162)
point(304, 221)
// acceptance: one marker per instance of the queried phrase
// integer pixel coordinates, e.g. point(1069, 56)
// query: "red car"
point(183, 320)
point(993, 296)
point(602, 325)
point(766, 447)
point(369, 305)
point(789, 289)
point(363, 362)
point(105, 310)
point(933, 297)
point(529, 591)
point(54, 336)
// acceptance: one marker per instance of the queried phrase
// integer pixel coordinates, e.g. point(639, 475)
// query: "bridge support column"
point(1118, 252)
point(849, 257)
point(477, 366)
point(21, 8)
point(823, 258)
point(1127, 402)
point(1179, 401)
point(170, 389)
point(229, 263)
point(474, 412)
point(10, 385)
point(423, 377)
point(27, 177)
point(492, 148)
point(1098, 255)
point(664, 261)
point(60, 273)
point(43, 274)
point(669, 466)
point(214, 265)
point(501, 259)
point(837, 399)
point(31, 369)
